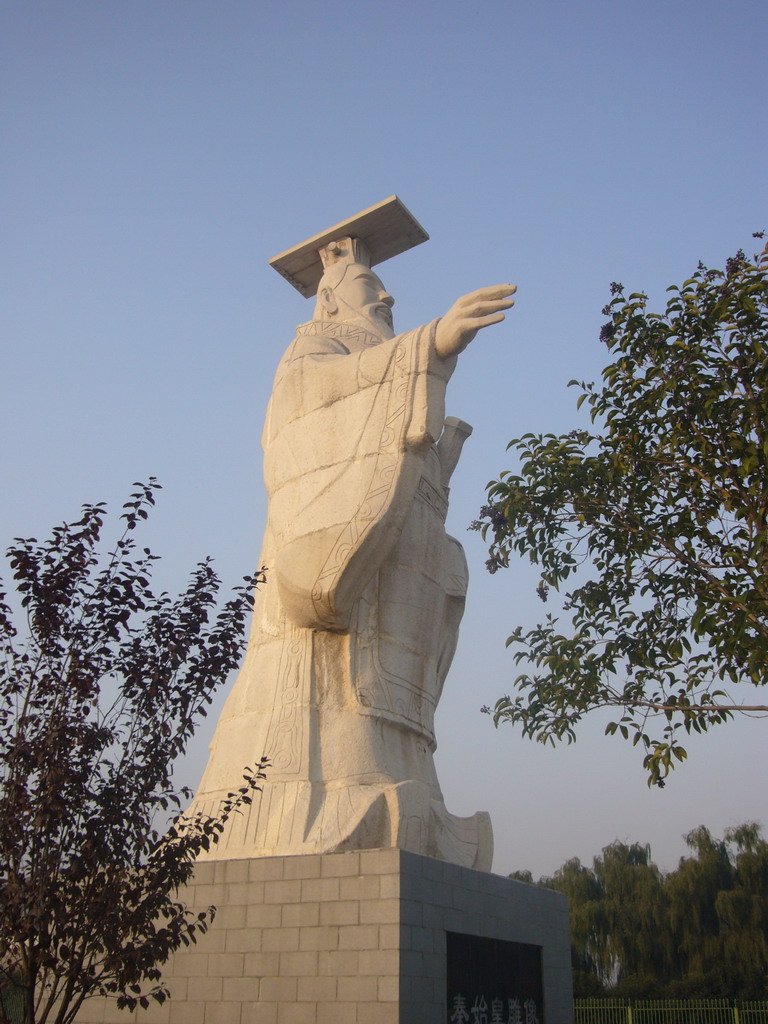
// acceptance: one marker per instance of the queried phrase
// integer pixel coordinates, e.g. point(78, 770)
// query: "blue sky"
point(154, 155)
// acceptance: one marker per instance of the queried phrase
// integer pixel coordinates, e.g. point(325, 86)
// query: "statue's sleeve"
point(345, 442)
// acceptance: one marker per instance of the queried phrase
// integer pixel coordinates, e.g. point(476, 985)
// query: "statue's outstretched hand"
point(469, 314)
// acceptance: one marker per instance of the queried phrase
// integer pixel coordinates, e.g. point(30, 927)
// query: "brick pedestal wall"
point(345, 938)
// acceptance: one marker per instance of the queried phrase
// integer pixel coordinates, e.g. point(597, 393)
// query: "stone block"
point(416, 888)
point(360, 887)
point(432, 917)
point(450, 874)
point(230, 916)
point(417, 1013)
point(323, 937)
point(423, 939)
point(279, 939)
point(338, 1013)
point(187, 1012)
point(210, 895)
point(92, 1011)
point(224, 965)
point(379, 961)
point(453, 920)
point(319, 889)
point(246, 893)
point(302, 867)
point(205, 872)
point(283, 891)
point(344, 864)
point(380, 1013)
point(362, 936)
point(388, 990)
point(156, 1013)
point(202, 990)
point(412, 911)
point(380, 862)
point(359, 989)
point(302, 914)
point(390, 936)
point(463, 900)
point(421, 990)
point(266, 869)
point(191, 965)
point(196, 990)
point(219, 871)
point(223, 1013)
point(241, 990)
point(296, 1013)
point(433, 965)
point(340, 912)
point(379, 911)
point(236, 870)
point(303, 964)
point(278, 990)
point(263, 915)
point(243, 940)
point(338, 963)
point(215, 940)
point(411, 962)
point(317, 990)
point(259, 965)
point(181, 988)
point(390, 886)
point(259, 1013)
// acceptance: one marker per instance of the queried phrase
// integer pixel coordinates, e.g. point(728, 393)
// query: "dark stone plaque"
point(491, 981)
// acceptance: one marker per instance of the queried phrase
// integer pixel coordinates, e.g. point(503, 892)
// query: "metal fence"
point(670, 1011)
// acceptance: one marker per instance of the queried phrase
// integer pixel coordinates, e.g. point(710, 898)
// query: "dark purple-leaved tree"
point(102, 682)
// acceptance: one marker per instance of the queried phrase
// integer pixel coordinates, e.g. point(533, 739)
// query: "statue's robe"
point(355, 629)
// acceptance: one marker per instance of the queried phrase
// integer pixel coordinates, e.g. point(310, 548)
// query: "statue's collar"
point(349, 335)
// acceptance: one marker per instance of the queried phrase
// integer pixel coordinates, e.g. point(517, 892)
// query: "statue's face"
point(360, 297)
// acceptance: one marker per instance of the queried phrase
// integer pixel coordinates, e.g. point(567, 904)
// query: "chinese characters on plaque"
point(491, 981)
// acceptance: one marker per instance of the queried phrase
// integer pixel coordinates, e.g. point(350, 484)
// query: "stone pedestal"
point(356, 938)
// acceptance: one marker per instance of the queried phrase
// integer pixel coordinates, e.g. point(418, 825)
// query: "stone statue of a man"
point(356, 627)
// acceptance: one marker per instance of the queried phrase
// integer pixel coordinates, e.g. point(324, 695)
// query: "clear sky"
point(154, 155)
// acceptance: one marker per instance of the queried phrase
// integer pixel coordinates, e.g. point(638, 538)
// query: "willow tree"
point(102, 682)
point(656, 518)
point(618, 919)
point(700, 930)
point(718, 900)
point(591, 959)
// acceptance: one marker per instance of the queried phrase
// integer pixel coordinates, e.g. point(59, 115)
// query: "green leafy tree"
point(718, 915)
point(698, 931)
point(693, 891)
point(633, 912)
point(618, 920)
point(743, 912)
point(101, 684)
point(590, 959)
point(662, 509)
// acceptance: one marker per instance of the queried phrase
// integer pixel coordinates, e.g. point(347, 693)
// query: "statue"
point(356, 627)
